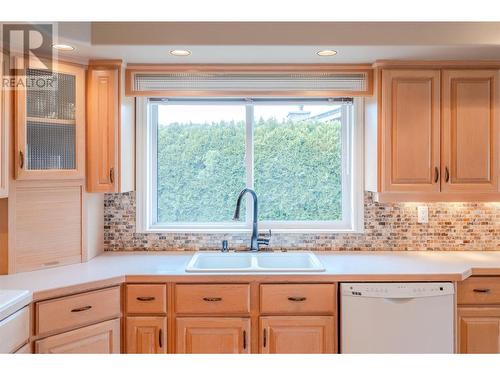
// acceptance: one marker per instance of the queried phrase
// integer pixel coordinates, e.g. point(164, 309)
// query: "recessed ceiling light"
point(327, 52)
point(63, 47)
point(180, 52)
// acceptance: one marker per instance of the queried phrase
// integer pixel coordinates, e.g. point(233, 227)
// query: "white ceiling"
point(90, 43)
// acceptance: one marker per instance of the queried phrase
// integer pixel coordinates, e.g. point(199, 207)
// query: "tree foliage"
point(297, 170)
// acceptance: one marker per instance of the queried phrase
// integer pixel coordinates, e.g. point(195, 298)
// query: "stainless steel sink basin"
point(254, 262)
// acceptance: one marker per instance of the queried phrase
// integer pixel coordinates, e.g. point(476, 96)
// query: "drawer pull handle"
point(436, 174)
point(244, 339)
point(264, 338)
point(212, 299)
point(297, 299)
point(446, 175)
point(160, 338)
point(79, 309)
point(145, 299)
point(485, 290)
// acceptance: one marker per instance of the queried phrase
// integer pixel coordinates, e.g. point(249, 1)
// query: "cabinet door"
point(101, 338)
point(297, 334)
point(103, 121)
point(48, 227)
point(4, 144)
point(50, 124)
point(410, 130)
point(470, 131)
point(212, 335)
point(479, 330)
point(146, 335)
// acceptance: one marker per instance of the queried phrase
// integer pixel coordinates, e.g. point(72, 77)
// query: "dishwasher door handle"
point(399, 300)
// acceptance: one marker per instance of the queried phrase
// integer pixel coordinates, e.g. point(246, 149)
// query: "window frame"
point(352, 176)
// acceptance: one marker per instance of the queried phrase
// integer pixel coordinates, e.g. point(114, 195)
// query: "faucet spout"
point(254, 243)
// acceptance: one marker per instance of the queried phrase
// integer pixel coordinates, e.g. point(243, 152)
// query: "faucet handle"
point(265, 241)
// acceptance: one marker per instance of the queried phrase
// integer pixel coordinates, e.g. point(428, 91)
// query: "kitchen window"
point(301, 156)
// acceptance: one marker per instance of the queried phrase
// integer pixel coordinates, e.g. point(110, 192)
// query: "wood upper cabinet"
point(4, 140)
point(110, 133)
point(101, 338)
point(50, 124)
point(146, 335)
point(479, 329)
point(212, 335)
point(470, 131)
point(410, 114)
point(297, 334)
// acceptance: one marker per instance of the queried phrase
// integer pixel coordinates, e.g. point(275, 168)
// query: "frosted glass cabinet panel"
point(51, 124)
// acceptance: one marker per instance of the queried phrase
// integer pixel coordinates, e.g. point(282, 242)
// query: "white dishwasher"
point(397, 317)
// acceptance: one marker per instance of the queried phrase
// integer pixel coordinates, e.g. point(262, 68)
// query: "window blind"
point(248, 83)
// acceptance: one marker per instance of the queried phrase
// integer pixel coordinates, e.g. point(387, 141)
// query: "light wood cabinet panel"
point(212, 335)
point(297, 334)
point(50, 125)
point(48, 226)
point(470, 131)
point(77, 310)
point(146, 299)
point(102, 338)
point(146, 335)
point(110, 133)
point(4, 140)
point(479, 330)
point(297, 299)
point(479, 290)
point(212, 299)
point(410, 130)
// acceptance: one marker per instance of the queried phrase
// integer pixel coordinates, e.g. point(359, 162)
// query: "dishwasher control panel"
point(396, 290)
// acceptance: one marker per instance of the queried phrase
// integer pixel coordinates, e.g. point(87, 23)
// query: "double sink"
point(254, 262)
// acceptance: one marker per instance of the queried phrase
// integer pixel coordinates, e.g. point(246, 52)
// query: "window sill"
point(247, 231)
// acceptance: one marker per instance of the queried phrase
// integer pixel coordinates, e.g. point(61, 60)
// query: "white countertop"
point(111, 268)
point(13, 300)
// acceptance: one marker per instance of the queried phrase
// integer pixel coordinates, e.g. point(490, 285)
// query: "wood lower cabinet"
point(146, 335)
point(479, 330)
point(212, 335)
point(101, 338)
point(297, 334)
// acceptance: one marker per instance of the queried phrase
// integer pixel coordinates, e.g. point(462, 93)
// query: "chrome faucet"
point(255, 242)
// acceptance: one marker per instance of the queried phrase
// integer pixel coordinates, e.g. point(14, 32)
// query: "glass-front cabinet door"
point(50, 124)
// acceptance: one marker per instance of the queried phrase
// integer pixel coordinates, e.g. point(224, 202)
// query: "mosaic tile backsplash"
point(452, 226)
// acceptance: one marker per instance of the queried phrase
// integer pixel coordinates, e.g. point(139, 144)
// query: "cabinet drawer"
point(212, 298)
point(297, 298)
point(146, 298)
point(67, 312)
point(16, 328)
point(479, 290)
